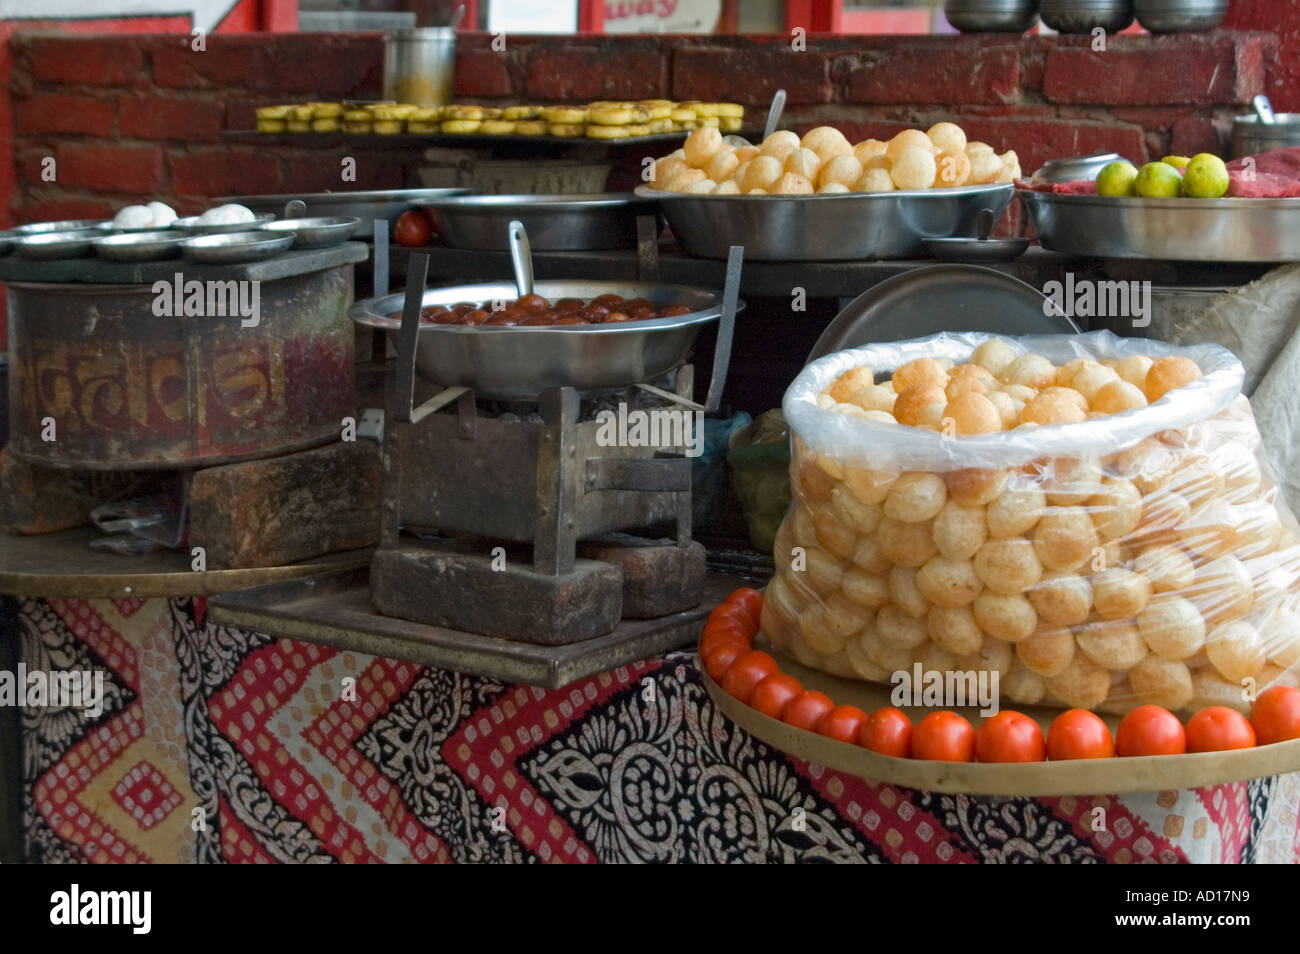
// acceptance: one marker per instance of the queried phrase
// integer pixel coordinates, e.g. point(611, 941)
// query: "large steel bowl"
point(1178, 229)
point(366, 206)
point(518, 363)
point(554, 222)
point(826, 227)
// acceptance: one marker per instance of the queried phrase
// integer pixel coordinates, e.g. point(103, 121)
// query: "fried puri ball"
point(1064, 537)
point(1022, 685)
point(1047, 651)
point(869, 149)
point(973, 413)
point(1167, 568)
point(951, 169)
point(874, 180)
point(915, 497)
point(1168, 373)
point(921, 371)
point(868, 590)
point(1051, 408)
point(1120, 593)
point(722, 165)
point(1072, 481)
point(973, 487)
point(985, 167)
point(898, 629)
point(914, 406)
point(701, 145)
point(791, 184)
point(1029, 370)
point(1091, 378)
point(1061, 599)
point(869, 486)
point(947, 137)
point(1236, 651)
point(1161, 682)
point(1117, 397)
point(909, 139)
point(763, 172)
point(859, 517)
point(1081, 684)
point(906, 544)
point(994, 355)
point(1133, 369)
point(1223, 590)
point(1112, 644)
point(1008, 566)
point(1171, 626)
point(946, 582)
point(959, 531)
point(954, 628)
point(852, 380)
point(803, 162)
point(904, 592)
point(1016, 510)
point(1006, 616)
point(914, 168)
point(843, 170)
point(1116, 508)
point(874, 397)
point(827, 141)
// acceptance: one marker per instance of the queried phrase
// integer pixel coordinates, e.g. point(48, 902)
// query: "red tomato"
point(718, 659)
point(943, 737)
point(1276, 716)
point(750, 601)
point(413, 229)
point(734, 615)
point(843, 723)
point(1010, 737)
point(772, 694)
point(1079, 734)
point(805, 710)
point(887, 731)
point(720, 636)
point(1150, 730)
point(1217, 729)
point(744, 675)
point(730, 624)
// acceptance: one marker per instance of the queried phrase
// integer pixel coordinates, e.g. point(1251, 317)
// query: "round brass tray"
point(1115, 776)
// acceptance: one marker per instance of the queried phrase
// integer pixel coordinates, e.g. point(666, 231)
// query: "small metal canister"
point(420, 66)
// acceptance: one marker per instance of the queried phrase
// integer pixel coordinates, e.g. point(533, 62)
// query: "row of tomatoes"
point(753, 677)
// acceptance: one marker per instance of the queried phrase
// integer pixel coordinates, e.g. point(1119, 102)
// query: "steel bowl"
point(64, 225)
point(1075, 168)
point(230, 248)
point(1206, 230)
point(367, 206)
point(1180, 16)
point(139, 246)
point(518, 363)
point(46, 246)
point(191, 224)
point(555, 223)
point(813, 228)
point(1250, 137)
point(991, 16)
point(976, 250)
point(1084, 16)
point(316, 232)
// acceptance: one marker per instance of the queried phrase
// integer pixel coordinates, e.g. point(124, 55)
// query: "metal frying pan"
point(925, 301)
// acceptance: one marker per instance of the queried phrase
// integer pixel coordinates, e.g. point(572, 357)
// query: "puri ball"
point(683, 179)
point(954, 628)
point(916, 496)
point(842, 170)
point(904, 593)
point(959, 531)
point(791, 184)
point(869, 486)
point(994, 655)
point(779, 145)
point(911, 406)
point(1081, 684)
point(1064, 537)
point(947, 137)
point(827, 141)
point(702, 187)
point(1016, 510)
point(898, 629)
point(665, 169)
point(728, 187)
point(1118, 396)
point(763, 172)
point(1091, 378)
point(869, 149)
point(945, 582)
point(1161, 682)
point(918, 372)
point(914, 168)
point(866, 589)
point(1133, 369)
point(1112, 644)
point(853, 513)
point(875, 180)
point(1047, 651)
point(951, 169)
point(1008, 566)
point(1071, 481)
point(1062, 599)
point(874, 397)
point(833, 188)
point(1166, 568)
point(723, 165)
point(906, 544)
point(803, 162)
point(1168, 373)
point(1023, 686)
point(1119, 593)
point(909, 139)
point(1223, 589)
point(701, 145)
point(1005, 616)
point(973, 487)
point(1171, 626)
point(1236, 651)
point(985, 167)
point(1049, 408)
point(1029, 370)
point(973, 414)
point(851, 381)
point(994, 355)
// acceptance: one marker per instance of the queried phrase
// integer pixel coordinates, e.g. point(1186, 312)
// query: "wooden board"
point(1036, 779)
point(334, 609)
point(63, 565)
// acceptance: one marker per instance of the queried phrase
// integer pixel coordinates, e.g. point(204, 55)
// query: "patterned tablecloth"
point(217, 744)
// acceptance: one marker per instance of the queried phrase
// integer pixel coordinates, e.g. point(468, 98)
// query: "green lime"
point(1178, 162)
point(1158, 180)
point(1206, 177)
point(1117, 178)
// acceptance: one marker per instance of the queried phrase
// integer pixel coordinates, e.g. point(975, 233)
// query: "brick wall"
point(142, 116)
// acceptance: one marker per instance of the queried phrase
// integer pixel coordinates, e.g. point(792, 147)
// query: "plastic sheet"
point(1139, 557)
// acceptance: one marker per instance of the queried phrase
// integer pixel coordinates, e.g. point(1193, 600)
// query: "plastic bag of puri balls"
point(1088, 516)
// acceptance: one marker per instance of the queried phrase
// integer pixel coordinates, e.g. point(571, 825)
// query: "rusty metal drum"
point(110, 377)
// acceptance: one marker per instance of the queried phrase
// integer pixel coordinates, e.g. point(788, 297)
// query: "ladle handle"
point(1264, 109)
point(521, 257)
point(774, 113)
